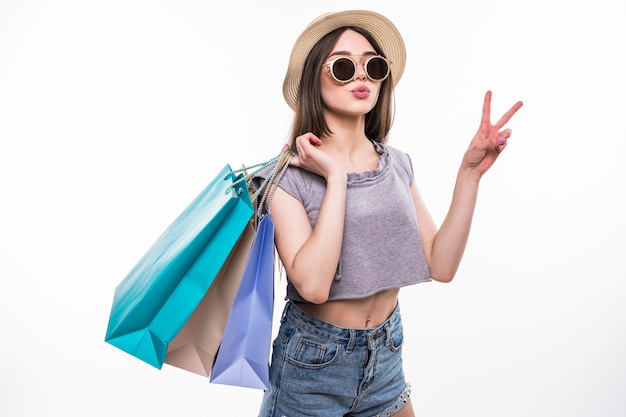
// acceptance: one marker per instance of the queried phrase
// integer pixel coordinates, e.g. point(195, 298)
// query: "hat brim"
point(381, 29)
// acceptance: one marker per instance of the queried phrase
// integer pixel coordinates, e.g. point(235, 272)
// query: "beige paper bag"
point(196, 344)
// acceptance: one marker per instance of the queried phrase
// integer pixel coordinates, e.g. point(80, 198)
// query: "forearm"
point(315, 264)
point(451, 239)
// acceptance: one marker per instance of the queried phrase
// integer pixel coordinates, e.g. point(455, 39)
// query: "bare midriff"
point(362, 313)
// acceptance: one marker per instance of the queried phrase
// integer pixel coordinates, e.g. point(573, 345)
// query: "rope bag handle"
point(281, 162)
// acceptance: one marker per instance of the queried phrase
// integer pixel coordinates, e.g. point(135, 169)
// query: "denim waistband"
point(371, 337)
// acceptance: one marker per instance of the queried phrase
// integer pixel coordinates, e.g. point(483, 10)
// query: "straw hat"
point(381, 28)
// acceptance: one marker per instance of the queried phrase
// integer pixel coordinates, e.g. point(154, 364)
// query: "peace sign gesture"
point(490, 139)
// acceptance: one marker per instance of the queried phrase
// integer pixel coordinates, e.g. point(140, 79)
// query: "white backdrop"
point(115, 114)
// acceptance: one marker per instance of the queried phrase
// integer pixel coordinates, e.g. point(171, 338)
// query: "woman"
point(350, 226)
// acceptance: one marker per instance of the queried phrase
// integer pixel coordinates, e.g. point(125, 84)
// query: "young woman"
point(350, 226)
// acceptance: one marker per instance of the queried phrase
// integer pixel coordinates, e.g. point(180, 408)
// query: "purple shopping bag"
point(243, 357)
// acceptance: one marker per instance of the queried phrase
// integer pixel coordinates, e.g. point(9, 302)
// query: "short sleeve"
point(403, 163)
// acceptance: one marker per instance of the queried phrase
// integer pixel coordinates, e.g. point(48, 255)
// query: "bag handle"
point(247, 177)
point(276, 176)
point(281, 162)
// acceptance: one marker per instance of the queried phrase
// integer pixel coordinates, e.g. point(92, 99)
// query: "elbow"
point(314, 296)
point(442, 271)
point(312, 293)
point(443, 279)
point(443, 276)
point(317, 300)
point(312, 284)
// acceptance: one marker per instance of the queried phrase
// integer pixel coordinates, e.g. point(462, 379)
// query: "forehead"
point(353, 43)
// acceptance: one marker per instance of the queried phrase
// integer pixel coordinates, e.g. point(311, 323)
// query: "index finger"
point(507, 116)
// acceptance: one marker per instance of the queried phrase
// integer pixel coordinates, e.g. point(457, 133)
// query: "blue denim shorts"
point(319, 369)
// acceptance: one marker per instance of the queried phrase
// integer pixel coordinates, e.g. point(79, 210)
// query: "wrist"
point(339, 178)
point(469, 175)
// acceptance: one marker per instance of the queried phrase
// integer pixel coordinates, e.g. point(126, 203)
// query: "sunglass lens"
point(343, 69)
point(377, 68)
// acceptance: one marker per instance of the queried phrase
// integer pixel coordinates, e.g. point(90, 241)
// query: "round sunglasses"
point(343, 69)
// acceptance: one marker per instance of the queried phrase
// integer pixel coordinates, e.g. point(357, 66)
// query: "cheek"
point(375, 92)
point(330, 90)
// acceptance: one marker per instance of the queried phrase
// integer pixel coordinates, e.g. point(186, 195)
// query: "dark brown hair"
point(309, 110)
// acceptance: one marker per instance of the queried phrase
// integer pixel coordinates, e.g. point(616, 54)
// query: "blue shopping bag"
point(243, 356)
point(157, 297)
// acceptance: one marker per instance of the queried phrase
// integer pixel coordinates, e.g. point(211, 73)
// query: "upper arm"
point(427, 226)
point(292, 227)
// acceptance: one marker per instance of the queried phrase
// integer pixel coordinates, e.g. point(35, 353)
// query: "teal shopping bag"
point(157, 297)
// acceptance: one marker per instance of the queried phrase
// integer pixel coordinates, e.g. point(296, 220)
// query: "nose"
point(360, 72)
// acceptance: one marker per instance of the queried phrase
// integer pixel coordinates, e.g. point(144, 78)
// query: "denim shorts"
point(319, 369)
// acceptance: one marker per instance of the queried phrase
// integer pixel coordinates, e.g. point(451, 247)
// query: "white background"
point(115, 114)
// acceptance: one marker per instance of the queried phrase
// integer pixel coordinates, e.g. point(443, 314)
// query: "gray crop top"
point(382, 247)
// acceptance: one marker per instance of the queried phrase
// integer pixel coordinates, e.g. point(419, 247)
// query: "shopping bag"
point(194, 347)
point(157, 297)
point(243, 356)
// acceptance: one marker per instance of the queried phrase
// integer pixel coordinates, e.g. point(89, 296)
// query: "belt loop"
point(352, 341)
point(388, 334)
point(282, 318)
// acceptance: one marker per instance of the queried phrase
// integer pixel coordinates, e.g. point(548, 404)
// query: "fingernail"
point(501, 140)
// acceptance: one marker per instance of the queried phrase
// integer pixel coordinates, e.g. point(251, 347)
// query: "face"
point(358, 96)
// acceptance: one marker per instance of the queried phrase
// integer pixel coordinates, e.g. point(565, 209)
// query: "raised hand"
point(490, 139)
point(310, 157)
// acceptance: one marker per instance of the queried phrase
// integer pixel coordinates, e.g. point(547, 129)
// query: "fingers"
point(486, 118)
point(305, 140)
point(501, 141)
point(305, 148)
point(308, 138)
point(507, 116)
point(294, 161)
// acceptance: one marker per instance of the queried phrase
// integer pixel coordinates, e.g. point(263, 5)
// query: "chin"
point(358, 109)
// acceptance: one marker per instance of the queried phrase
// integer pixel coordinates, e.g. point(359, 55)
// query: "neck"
point(348, 133)
point(349, 145)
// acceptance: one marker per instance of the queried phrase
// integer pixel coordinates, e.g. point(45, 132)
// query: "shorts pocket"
point(396, 338)
point(310, 352)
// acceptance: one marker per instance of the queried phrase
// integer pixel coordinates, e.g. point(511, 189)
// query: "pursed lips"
point(361, 91)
